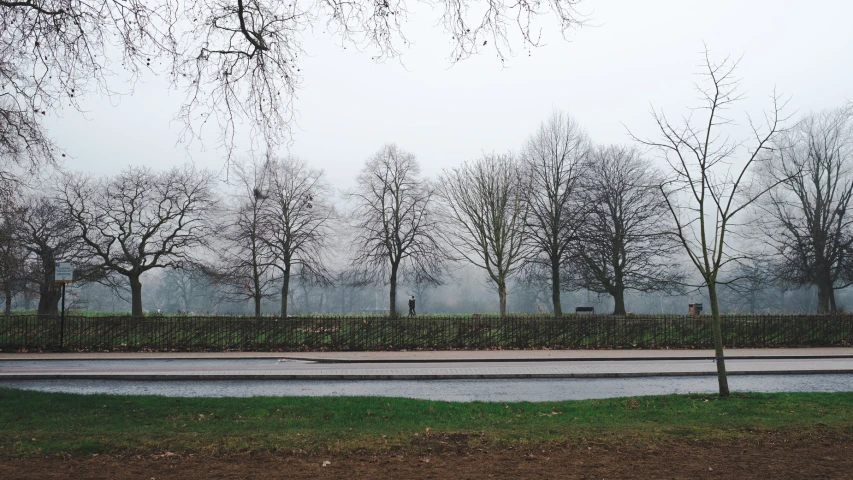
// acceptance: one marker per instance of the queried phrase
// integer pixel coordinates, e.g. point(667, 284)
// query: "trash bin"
point(694, 308)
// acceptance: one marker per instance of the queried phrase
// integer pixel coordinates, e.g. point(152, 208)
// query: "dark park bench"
point(585, 310)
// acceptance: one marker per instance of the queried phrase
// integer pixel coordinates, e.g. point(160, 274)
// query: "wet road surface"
point(280, 369)
point(533, 390)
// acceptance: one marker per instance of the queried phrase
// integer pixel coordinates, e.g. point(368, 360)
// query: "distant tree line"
point(561, 211)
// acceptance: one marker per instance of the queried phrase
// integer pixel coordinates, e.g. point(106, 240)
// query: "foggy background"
point(632, 57)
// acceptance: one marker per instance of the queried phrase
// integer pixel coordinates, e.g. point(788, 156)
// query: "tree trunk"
point(502, 296)
point(135, 296)
point(392, 310)
point(8, 289)
point(257, 300)
point(27, 299)
point(256, 296)
point(49, 295)
point(555, 289)
point(285, 289)
point(49, 291)
point(618, 285)
point(824, 294)
point(717, 330)
point(619, 301)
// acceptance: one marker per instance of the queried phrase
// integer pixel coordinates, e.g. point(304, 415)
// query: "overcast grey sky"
point(638, 54)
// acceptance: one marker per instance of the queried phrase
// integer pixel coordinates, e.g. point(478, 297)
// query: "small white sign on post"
point(64, 272)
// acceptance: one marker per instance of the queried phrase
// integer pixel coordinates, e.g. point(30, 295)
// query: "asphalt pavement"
point(514, 364)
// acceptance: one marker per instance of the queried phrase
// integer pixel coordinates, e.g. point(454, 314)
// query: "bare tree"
point(810, 224)
point(185, 289)
point(624, 242)
point(239, 61)
point(53, 51)
point(140, 220)
point(243, 266)
point(754, 287)
point(50, 235)
point(12, 256)
point(296, 223)
point(487, 204)
point(705, 191)
point(396, 223)
point(554, 157)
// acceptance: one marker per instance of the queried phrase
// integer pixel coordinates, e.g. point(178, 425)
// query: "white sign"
point(64, 272)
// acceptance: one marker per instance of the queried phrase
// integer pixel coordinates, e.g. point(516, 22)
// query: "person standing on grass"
point(412, 306)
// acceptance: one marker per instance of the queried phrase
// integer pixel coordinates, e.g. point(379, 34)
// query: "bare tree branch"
point(140, 220)
point(396, 224)
point(810, 178)
point(705, 189)
point(296, 224)
point(486, 202)
point(625, 242)
point(554, 158)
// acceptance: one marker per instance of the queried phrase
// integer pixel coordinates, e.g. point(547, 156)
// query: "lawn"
point(37, 423)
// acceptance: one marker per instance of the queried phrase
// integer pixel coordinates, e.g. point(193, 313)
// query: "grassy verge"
point(50, 423)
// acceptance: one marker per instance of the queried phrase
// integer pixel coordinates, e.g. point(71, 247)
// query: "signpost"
point(63, 273)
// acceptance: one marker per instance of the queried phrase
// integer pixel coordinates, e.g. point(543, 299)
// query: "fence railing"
point(182, 333)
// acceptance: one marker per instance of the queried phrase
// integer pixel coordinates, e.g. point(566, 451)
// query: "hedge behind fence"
point(164, 333)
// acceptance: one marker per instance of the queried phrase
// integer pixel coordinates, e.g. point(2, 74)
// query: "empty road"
point(271, 368)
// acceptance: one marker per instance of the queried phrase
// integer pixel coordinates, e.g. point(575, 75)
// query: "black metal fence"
point(182, 333)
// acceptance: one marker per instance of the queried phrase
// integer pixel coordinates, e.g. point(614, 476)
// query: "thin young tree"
point(297, 221)
point(555, 157)
point(624, 242)
point(810, 223)
point(396, 223)
point(139, 219)
point(486, 203)
point(709, 181)
point(243, 267)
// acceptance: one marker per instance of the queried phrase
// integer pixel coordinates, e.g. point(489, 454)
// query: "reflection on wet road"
point(451, 390)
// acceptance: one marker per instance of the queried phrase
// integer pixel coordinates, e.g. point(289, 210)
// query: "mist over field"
point(627, 156)
point(467, 292)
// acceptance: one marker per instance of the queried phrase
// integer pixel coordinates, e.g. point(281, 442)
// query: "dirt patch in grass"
point(759, 456)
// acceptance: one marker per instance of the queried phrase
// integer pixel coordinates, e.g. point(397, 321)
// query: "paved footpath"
point(420, 365)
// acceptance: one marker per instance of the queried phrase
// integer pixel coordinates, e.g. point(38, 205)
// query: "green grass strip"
point(50, 423)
